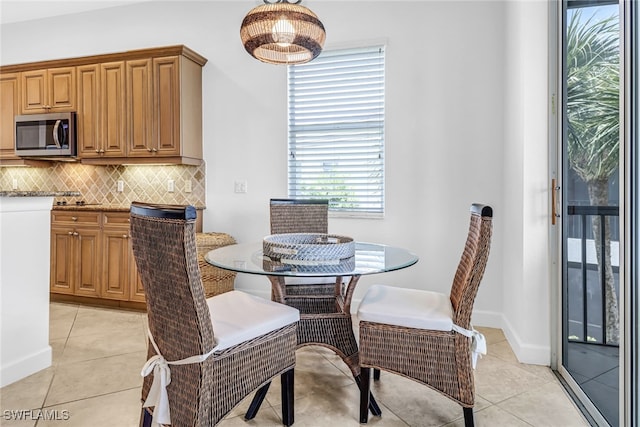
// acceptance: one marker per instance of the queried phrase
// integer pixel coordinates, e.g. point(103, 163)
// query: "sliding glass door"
point(590, 208)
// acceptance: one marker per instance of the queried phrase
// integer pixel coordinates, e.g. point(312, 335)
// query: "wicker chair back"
point(472, 265)
point(299, 216)
point(165, 251)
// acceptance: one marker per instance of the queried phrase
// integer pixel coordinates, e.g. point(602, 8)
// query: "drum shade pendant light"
point(282, 32)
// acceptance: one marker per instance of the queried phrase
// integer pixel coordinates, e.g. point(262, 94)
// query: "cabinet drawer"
point(114, 219)
point(75, 217)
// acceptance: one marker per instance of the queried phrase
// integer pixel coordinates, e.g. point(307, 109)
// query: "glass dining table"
point(325, 314)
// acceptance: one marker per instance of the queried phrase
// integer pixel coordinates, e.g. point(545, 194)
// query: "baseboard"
point(26, 366)
point(525, 353)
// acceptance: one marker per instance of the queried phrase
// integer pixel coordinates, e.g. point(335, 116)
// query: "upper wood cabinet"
point(102, 117)
point(112, 109)
point(10, 96)
point(142, 106)
point(9, 108)
point(48, 90)
point(139, 107)
point(165, 109)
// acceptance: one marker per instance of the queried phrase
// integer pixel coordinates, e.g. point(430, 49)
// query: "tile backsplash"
point(99, 184)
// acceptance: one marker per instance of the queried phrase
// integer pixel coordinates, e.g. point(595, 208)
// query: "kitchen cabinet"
point(165, 110)
point(100, 120)
point(139, 107)
point(48, 90)
point(75, 250)
point(117, 256)
point(9, 108)
point(135, 107)
point(112, 109)
point(88, 117)
point(91, 256)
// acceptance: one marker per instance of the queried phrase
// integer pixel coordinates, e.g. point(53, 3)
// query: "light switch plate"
point(240, 187)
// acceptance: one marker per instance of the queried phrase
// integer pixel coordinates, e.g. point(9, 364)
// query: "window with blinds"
point(336, 130)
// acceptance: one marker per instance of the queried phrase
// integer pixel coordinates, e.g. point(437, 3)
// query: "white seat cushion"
point(238, 316)
point(411, 308)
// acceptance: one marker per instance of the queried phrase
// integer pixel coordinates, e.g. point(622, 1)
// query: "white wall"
point(526, 273)
point(458, 130)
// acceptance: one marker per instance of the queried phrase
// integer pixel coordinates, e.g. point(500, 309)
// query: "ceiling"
point(27, 10)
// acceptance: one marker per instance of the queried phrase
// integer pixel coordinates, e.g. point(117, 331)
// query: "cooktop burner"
point(77, 203)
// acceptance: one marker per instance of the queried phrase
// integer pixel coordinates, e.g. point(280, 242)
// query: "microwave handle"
point(55, 133)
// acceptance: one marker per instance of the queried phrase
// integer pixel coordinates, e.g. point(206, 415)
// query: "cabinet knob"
point(97, 151)
point(70, 233)
point(124, 236)
point(102, 151)
point(75, 233)
point(148, 149)
point(154, 149)
point(74, 218)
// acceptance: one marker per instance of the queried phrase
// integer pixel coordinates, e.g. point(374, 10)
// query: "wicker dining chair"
point(302, 216)
point(427, 336)
point(205, 354)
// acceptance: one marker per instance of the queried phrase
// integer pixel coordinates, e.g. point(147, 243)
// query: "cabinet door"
point(52, 90)
point(87, 261)
point(166, 102)
point(139, 108)
point(34, 93)
point(9, 108)
point(115, 266)
point(88, 119)
point(62, 266)
point(61, 89)
point(112, 109)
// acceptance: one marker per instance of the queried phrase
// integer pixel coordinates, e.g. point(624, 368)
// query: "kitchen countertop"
point(100, 207)
point(15, 193)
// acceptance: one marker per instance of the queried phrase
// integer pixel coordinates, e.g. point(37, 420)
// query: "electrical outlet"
point(120, 188)
point(240, 186)
point(14, 185)
point(187, 186)
point(171, 186)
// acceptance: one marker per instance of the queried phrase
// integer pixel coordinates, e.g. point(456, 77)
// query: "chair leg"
point(145, 418)
point(468, 417)
point(257, 401)
point(373, 405)
point(286, 380)
point(376, 374)
point(365, 376)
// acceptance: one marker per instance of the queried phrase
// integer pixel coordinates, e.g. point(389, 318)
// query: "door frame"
point(630, 212)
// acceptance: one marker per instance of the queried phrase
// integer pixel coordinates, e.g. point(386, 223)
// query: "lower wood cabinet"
point(91, 256)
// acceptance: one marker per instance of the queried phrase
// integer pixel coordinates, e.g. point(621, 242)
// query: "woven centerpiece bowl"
point(308, 248)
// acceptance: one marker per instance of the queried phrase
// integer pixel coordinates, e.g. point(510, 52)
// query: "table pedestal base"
point(325, 320)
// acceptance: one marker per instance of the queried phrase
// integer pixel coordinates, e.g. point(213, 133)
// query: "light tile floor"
point(98, 353)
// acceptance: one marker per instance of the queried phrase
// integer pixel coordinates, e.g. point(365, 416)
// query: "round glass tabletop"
point(369, 258)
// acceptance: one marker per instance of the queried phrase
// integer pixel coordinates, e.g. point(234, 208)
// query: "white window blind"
point(336, 129)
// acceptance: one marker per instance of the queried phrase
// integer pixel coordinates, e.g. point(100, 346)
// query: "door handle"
point(56, 130)
point(554, 201)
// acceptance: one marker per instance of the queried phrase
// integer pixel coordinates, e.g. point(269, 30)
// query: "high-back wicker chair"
point(427, 336)
point(302, 216)
point(205, 355)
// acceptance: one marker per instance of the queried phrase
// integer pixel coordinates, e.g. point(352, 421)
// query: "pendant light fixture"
point(282, 32)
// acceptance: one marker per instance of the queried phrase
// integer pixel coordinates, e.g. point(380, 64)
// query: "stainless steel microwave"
point(46, 135)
